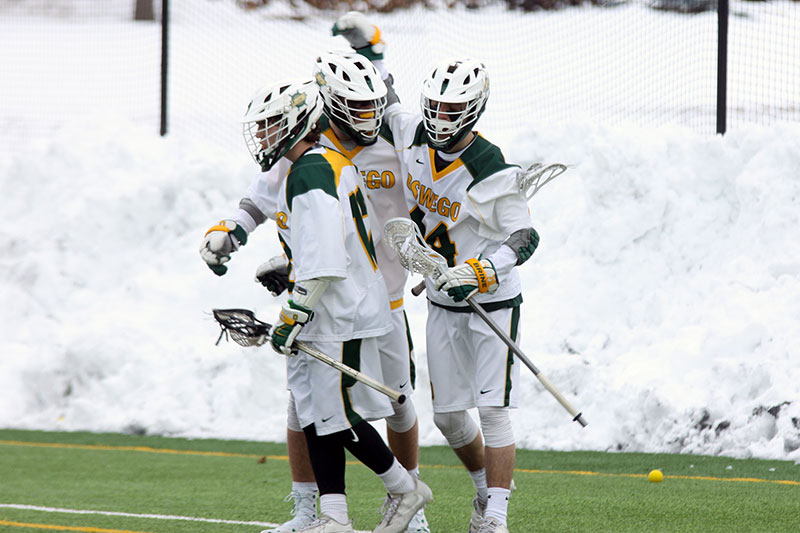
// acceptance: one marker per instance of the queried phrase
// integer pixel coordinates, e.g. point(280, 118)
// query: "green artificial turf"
point(246, 482)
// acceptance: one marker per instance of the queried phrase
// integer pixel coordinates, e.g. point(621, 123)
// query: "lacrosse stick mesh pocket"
point(241, 326)
point(412, 252)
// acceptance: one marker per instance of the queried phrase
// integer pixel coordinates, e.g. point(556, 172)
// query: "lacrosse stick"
point(529, 182)
point(416, 256)
point(537, 176)
point(245, 329)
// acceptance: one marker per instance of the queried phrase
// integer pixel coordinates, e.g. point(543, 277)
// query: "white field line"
point(135, 515)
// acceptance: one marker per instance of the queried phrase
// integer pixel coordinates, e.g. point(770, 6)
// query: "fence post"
point(164, 58)
point(722, 65)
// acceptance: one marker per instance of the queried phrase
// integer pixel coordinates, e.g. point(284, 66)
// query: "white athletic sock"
point(497, 505)
point(479, 478)
point(304, 487)
point(414, 473)
point(397, 479)
point(335, 506)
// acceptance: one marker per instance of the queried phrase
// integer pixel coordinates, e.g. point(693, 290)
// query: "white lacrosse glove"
point(274, 275)
point(462, 281)
point(296, 313)
point(220, 242)
point(363, 36)
point(291, 321)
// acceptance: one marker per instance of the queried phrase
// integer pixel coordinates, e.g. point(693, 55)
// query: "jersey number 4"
point(438, 239)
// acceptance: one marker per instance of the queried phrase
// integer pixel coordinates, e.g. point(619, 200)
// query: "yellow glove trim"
point(219, 227)
point(377, 37)
point(483, 279)
point(287, 319)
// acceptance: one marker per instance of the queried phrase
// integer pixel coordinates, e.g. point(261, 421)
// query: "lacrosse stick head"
point(414, 254)
point(242, 326)
point(537, 176)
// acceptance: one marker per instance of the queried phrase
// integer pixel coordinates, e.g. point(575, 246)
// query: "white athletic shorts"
point(397, 357)
point(329, 399)
point(469, 366)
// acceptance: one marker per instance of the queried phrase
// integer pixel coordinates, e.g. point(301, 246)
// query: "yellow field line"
point(700, 478)
point(148, 449)
point(64, 528)
point(144, 449)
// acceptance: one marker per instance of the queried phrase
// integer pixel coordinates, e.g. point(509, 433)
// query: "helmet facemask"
point(446, 124)
point(453, 98)
point(268, 148)
point(278, 118)
point(361, 120)
point(354, 94)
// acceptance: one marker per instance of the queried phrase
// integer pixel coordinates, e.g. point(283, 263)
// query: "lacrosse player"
point(326, 233)
point(465, 200)
point(354, 99)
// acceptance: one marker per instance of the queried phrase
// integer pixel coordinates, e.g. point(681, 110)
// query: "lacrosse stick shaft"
point(352, 372)
point(416, 256)
point(417, 289)
point(522, 357)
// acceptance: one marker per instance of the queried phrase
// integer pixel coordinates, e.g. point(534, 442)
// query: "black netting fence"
point(648, 62)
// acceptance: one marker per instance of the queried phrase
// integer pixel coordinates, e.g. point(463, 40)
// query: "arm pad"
point(308, 292)
point(249, 215)
point(524, 242)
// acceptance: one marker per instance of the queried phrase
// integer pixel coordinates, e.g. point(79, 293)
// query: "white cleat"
point(326, 524)
point(476, 518)
point(399, 509)
point(304, 513)
point(491, 524)
point(418, 524)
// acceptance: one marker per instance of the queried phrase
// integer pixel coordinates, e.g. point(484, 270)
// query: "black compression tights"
point(328, 458)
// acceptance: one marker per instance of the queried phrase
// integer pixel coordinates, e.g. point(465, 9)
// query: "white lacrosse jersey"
point(466, 209)
point(380, 169)
point(264, 189)
point(383, 185)
point(326, 233)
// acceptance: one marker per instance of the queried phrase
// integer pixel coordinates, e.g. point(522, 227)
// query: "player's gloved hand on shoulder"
point(274, 275)
point(461, 281)
point(291, 321)
point(220, 242)
point(363, 36)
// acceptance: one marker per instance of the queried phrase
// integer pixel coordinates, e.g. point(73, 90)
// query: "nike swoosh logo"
point(326, 419)
point(485, 391)
point(420, 162)
point(403, 384)
point(355, 437)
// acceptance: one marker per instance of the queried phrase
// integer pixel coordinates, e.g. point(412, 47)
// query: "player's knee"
point(292, 420)
point(404, 417)
point(457, 427)
point(496, 427)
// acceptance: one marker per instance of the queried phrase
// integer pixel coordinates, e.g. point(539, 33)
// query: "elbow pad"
point(248, 206)
point(524, 242)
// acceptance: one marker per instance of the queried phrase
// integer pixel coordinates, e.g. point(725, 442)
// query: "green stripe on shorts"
point(351, 356)
point(510, 357)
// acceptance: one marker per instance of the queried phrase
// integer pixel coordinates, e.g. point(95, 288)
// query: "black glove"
point(274, 275)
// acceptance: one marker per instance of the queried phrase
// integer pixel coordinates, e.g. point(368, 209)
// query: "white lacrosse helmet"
point(354, 94)
point(295, 106)
point(461, 81)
